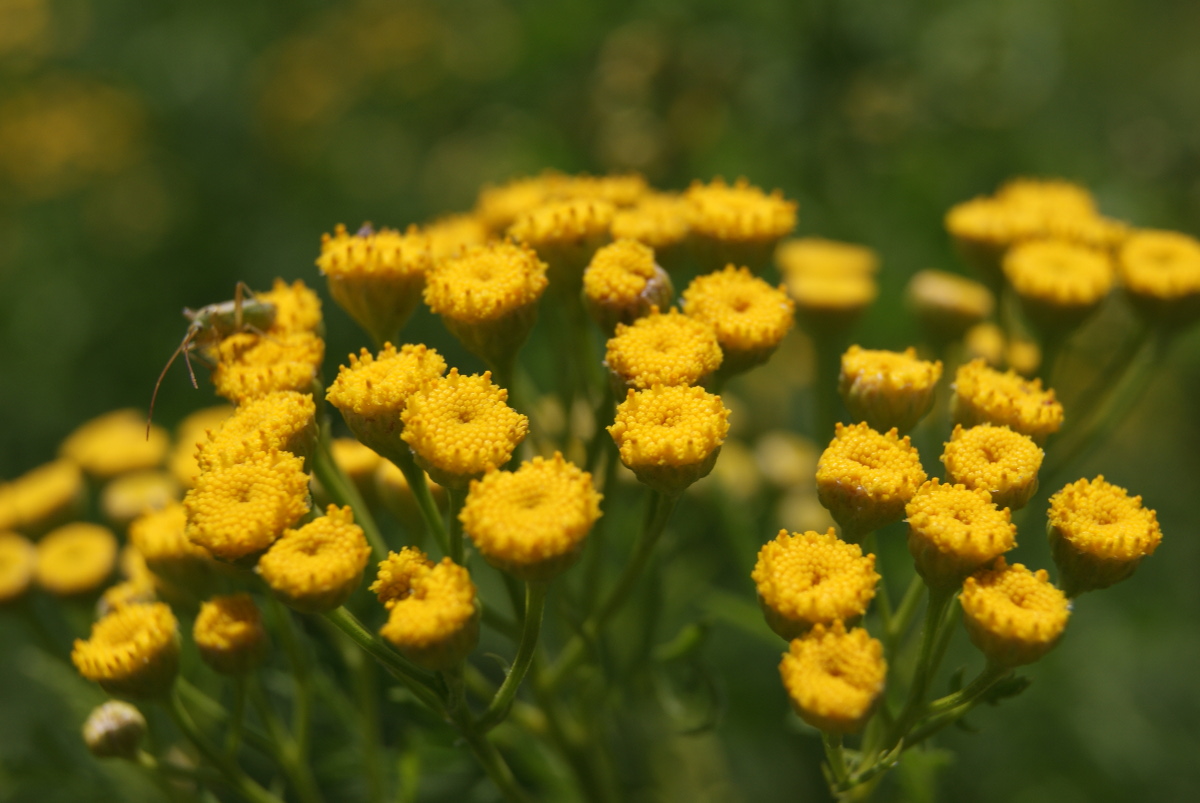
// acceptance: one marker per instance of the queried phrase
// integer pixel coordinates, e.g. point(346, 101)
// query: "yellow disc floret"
point(532, 522)
point(76, 558)
point(297, 308)
point(160, 537)
point(623, 282)
point(18, 562)
point(251, 365)
point(750, 316)
point(115, 443)
point(563, 223)
point(953, 530)
point(42, 498)
point(132, 652)
point(810, 578)
point(658, 220)
point(985, 395)
point(315, 568)
point(887, 388)
point(663, 349)
point(994, 459)
point(283, 420)
point(739, 212)
point(1014, 616)
point(189, 435)
point(1160, 271)
point(833, 678)
point(865, 478)
point(433, 616)
point(229, 633)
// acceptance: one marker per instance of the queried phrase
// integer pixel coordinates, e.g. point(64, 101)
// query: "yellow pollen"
point(115, 443)
point(658, 220)
point(297, 308)
point(18, 563)
point(486, 283)
point(76, 558)
point(809, 255)
point(618, 273)
point(1059, 274)
point(250, 365)
point(672, 426)
point(374, 386)
point(132, 651)
point(663, 349)
point(1103, 520)
point(749, 315)
point(318, 566)
point(42, 497)
point(282, 420)
point(1014, 616)
point(738, 212)
point(994, 459)
point(983, 394)
point(833, 678)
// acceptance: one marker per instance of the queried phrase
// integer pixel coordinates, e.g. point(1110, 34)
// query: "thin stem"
point(425, 502)
point(419, 682)
point(535, 599)
point(934, 612)
point(366, 692)
point(344, 492)
point(216, 712)
point(456, 497)
point(836, 756)
point(953, 707)
point(828, 352)
point(882, 598)
point(233, 739)
point(902, 618)
point(494, 765)
point(301, 676)
point(286, 754)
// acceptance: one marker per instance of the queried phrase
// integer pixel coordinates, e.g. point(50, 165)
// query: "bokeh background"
point(152, 155)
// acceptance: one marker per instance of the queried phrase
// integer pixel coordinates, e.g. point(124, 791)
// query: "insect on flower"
point(210, 325)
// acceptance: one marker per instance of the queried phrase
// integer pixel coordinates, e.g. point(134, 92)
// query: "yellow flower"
point(189, 435)
point(865, 478)
point(948, 305)
point(888, 388)
point(1014, 616)
point(750, 317)
point(284, 420)
point(230, 635)
point(619, 190)
point(128, 496)
point(984, 395)
point(499, 206)
point(487, 297)
point(833, 678)
point(657, 220)
point(114, 730)
point(663, 349)
point(376, 276)
point(953, 530)
point(42, 498)
point(132, 652)
point(76, 558)
point(669, 436)
point(18, 563)
point(565, 234)
point(433, 615)
point(115, 443)
point(460, 427)
point(1059, 283)
point(315, 568)
point(532, 522)
point(250, 366)
point(1099, 534)
point(160, 537)
point(623, 283)
point(451, 235)
point(297, 308)
point(1160, 271)
point(239, 510)
point(372, 392)
point(129, 592)
point(994, 459)
point(831, 302)
point(801, 255)
point(737, 223)
point(810, 578)
point(986, 342)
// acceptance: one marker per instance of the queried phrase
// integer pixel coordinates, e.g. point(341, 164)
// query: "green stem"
point(286, 754)
point(343, 491)
point(456, 497)
point(953, 707)
point(233, 739)
point(419, 682)
point(535, 599)
point(904, 614)
point(493, 764)
point(216, 712)
point(366, 692)
point(836, 757)
point(939, 599)
point(425, 502)
point(301, 676)
point(828, 354)
point(882, 598)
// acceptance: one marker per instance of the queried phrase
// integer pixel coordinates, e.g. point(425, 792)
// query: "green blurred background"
point(152, 155)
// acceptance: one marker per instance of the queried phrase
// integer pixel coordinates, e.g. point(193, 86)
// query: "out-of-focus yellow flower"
point(1099, 534)
point(160, 537)
point(669, 436)
point(810, 578)
point(786, 459)
point(433, 615)
point(115, 443)
point(132, 652)
point(985, 342)
point(239, 510)
point(532, 522)
point(750, 316)
point(499, 206)
point(565, 234)
point(738, 223)
point(451, 235)
point(297, 308)
point(888, 388)
point(130, 495)
point(953, 530)
point(623, 282)
point(18, 563)
point(488, 297)
point(230, 635)
point(189, 435)
point(994, 459)
point(114, 730)
point(394, 492)
point(460, 427)
point(1160, 271)
point(985, 395)
point(1023, 356)
point(830, 302)
point(250, 366)
point(42, 498)
point(77, 558)
point(372, 392)
point(284, 420)
point(1014, 616)
point(833, 678)
point(359, 463)
point(619, 189)
point(948, 305)
point(657, 220)
point(1059, 283)
point(663, 349)
point(128, 592)
point(315, 568)
point(376, 276)
point(865, 478)
point(814, 255)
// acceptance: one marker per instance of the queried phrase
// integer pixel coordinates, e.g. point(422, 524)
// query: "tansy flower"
point(114, 730)
point(487, 298)
point(1099, 534)
point(372, 391)
point(230, 635)
point(18, 563)
point(986, 342)
point(397, 496)
point(239, 510)
point(499, 206)
point(250, 366)
point(994, 459)
point(948, 305)
point(814, 255)
point(830, 302)
point(433, 615)
point(737, 223)
point(128, 496)
point(42, 498)
point(532, 522)
point(750, 316)
point(376, 276)
point(833, 678)
point(669, 436)
point(160, 537)
point(284, 420)
point(810, 578)
point(1014, 616)
point(190, 433)
point(129, 592)
point(1059, 283)
point(76, 558)
point(887, 388)
point(623, 282)
point(953, 530)
point(132, 652)
point(451, 235)
point(297, 308)
point(865, 478)
point(657, 220)
point(115, 443)
point(1160, 271)
point(619, 189)
point(460, 427)
point(984, 395)
point(565, 234)
point(663, 349)
point(315, 568)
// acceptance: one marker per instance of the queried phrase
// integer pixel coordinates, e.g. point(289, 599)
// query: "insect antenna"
point(183, 347)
